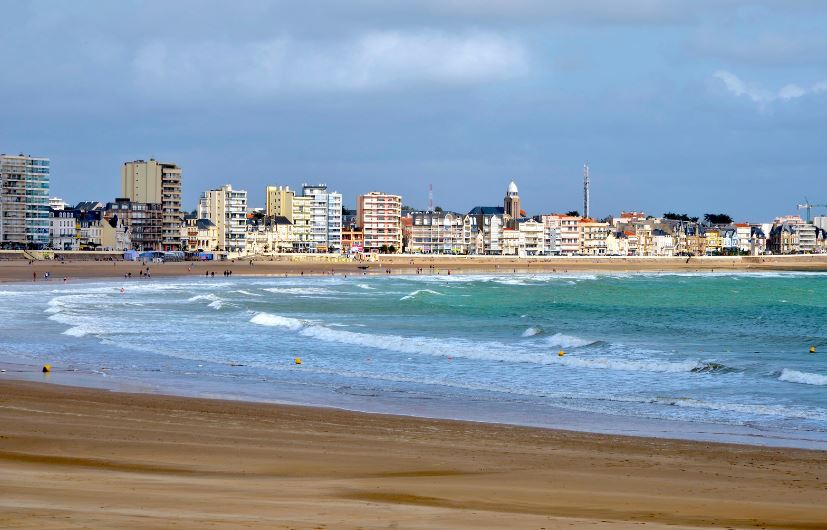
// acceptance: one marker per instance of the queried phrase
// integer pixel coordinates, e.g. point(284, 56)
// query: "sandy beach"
point(83, 458)
point(23, 270)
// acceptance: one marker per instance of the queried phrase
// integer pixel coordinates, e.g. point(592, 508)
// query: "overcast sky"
point(693, 105)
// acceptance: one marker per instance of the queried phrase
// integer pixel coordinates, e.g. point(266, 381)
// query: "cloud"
point(370, 62)
point(762, 95)
point(762, 49)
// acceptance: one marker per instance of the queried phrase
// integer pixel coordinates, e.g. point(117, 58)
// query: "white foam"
point(211, 297)
point(805, 378)
point(217, 304)
point(567, 341)
point(299, 290)
point(532, 331)
point(78, 331)
point(248, 293)
point(629, 365)
point(743, 408)
point(269, 319)
point(418, 292)
point(365, 286)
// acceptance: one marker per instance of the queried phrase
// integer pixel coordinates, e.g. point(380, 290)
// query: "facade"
point(282, 201)
point(488, 223)
point(199, 235)
point(279, 201)
point(807, 238)
point(63, 228)
point(153, 182)
point(593, 235)
point(227, 209)
point(325, 218)
point(24, 201)
point(533, 238)
point(143, 222)
point(269, 234)
point(56, 203)
point(512, 242)
point(379, 216)
point(353, 239)
point(443, 232)
point(562, 235)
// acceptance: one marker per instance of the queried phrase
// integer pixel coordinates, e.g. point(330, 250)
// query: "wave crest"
point(804, 378)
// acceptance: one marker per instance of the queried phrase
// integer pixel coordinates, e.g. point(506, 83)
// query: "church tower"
point(512, 205)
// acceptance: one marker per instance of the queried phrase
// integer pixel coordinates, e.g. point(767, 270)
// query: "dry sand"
point(22, 270)
point(83, 458)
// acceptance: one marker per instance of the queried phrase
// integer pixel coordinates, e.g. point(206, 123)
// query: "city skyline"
point(695, 107)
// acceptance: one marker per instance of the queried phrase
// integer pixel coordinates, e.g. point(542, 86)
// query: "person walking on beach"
point(34, 276)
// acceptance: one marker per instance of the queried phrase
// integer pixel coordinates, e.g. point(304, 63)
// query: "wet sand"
point(77, 458)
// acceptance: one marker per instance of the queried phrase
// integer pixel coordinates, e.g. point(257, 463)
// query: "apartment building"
point(562, 234)
point(488, 222)
point(143, 222)
point(269, 234)
point(63, 229)
point(533, 238)
point(379, 217)
point(593, 235)
point(227, 208)
point(24, 201)
point(325, 218)
point(199, 235)
point(282, 201)
point(153, 182)
point(434, 232)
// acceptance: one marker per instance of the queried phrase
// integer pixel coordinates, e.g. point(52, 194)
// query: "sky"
point(688, 106)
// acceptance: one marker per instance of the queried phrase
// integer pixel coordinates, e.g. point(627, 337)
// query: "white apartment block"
point(63, 229)
point(533, 240)
point(24, 200)
point(562, 234)
point(325, 218)
point(379, 215)
point(227, 208)
point(441, 233)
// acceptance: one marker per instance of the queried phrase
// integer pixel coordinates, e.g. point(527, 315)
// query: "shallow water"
point(720, 352)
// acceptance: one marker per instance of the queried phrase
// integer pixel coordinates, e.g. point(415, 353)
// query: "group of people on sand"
point(211, 274)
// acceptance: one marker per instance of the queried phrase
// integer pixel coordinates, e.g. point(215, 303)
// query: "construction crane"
point(807, 207)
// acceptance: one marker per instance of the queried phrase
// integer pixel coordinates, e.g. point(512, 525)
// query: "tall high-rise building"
point(325, 218)
point(279, 201)
point(379, 215)
point(153, 182)
point(24, 201)
point(282, 201)
point(227, 209)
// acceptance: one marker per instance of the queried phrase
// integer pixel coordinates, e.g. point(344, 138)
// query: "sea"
point(706, 356)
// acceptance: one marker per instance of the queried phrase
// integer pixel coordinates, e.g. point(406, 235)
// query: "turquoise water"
point(664, 354)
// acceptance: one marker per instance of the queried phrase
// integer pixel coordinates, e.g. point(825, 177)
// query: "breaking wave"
point(532, 331)
point(269, 319)
point(804, 378)
point(418, 292)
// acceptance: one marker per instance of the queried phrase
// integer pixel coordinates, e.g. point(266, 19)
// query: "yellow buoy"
point(561, 353)
point(298, 360)
point(47, 368)
point(812, 349)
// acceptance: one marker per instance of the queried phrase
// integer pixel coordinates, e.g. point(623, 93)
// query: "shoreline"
point(555, 418)
point(195, 462)
point(285, 265)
